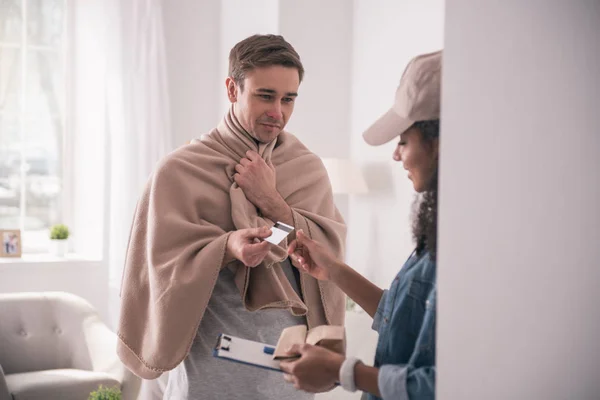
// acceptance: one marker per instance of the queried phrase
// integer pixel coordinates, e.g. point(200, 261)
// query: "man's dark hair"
point(262, 51)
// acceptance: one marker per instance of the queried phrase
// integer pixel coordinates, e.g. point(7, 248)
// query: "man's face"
point(266, 102)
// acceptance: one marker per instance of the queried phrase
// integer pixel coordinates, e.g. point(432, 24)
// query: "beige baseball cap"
point(417, 99)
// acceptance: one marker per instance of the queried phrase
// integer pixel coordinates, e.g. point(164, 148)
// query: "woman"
point(404, 315)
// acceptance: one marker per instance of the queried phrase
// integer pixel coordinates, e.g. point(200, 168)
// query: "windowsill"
point(49, 259)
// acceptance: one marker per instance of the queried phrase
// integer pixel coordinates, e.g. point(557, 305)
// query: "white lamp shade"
point(345, 176)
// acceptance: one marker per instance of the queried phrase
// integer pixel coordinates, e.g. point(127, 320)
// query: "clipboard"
point(246, 352)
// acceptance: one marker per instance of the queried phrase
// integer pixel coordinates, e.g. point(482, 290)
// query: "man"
point(197, 264)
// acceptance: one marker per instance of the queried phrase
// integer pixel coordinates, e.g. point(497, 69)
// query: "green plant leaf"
point(105, 393)
point(59, 232)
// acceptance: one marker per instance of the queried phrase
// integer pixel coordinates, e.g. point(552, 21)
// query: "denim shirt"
point(405, 320)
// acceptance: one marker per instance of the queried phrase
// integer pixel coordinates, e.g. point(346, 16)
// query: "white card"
point(279, 232)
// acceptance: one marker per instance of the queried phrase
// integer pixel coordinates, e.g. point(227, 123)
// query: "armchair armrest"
point(102, 349)
point(4, 393)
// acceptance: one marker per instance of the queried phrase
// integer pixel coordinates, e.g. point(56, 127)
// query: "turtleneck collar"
point(239, 140)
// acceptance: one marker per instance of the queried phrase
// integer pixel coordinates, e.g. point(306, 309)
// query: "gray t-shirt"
point(202, 376)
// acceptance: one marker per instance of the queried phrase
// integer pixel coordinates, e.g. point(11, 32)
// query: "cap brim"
point(386, 128)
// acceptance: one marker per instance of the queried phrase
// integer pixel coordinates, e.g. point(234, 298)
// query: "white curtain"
point(138, 127)
point(138, 121)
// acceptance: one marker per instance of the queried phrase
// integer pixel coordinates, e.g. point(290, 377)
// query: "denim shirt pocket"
point(418, 294)
point(427, 336)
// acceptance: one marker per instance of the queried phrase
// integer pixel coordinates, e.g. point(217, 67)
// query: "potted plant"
point(59, 244)
point(105, 393)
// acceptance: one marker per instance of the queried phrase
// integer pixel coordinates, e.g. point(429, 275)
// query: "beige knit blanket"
point(179, 235)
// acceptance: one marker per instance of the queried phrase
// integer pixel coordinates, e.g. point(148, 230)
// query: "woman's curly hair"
point(425, 207)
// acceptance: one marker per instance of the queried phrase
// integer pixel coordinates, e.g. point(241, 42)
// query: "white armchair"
point(54, 345)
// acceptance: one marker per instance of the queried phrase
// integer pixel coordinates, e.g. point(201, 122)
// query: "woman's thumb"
point(303, 239)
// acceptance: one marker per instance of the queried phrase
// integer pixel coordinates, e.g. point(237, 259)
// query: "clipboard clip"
point(223, 342)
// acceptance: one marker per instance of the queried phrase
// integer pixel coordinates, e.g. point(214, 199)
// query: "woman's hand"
point(317, 369)
point(312, 257)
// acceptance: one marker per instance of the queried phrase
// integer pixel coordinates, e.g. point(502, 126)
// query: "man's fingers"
point(240, 168)
point(258, 248)
point(262, 232)
point(245, 162)
point(252, 155)
point(254, 254)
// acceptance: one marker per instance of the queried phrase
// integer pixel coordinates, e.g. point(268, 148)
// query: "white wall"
point(519, 260)
point(192, 46)
point(84, 278)
point(321, 33)
point(238, 20)
point(387, 34)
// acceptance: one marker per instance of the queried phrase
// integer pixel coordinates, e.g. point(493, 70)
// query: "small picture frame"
point(11, 243)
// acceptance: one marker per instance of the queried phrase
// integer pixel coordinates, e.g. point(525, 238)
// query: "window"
point(32, 117)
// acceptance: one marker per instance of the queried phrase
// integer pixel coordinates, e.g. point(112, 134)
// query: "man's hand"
point(257, 180)
point(246, 246)
point(317, 369)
